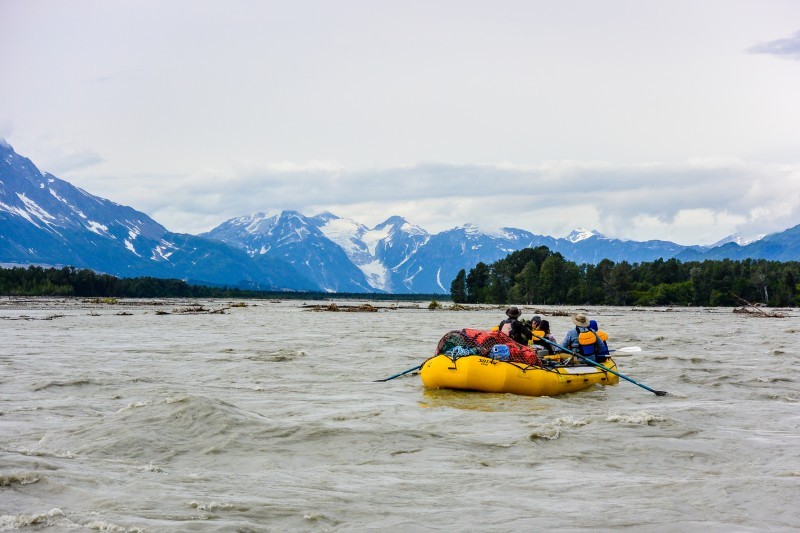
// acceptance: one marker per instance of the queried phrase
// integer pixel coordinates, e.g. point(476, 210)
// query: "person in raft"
point(583, 340)
point(541, 335)
point(515, 329)
point(603, 337)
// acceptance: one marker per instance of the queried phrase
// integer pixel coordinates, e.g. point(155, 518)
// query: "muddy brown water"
point(266, 417)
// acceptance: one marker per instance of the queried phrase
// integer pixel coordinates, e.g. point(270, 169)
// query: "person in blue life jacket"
point(515, 329)
point(582, 340)
point(603, 337)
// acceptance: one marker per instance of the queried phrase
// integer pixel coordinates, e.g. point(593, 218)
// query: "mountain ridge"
point(46, 220)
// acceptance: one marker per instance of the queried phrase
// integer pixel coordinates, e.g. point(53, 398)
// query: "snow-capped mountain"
point(47, 221)
point(296, 239)
point(582, 246)
point(379, 252)
point(581, 234)
point(738, 239)
point(437, 262)
point(783, 246)
point(338, 254)
point(359, 243)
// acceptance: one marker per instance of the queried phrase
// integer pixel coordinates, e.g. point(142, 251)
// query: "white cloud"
point(61, 158)
point(638, 122)
point(6, 129)
point(698, 202)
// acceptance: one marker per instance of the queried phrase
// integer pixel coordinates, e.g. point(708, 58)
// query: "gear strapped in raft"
point(458, 343)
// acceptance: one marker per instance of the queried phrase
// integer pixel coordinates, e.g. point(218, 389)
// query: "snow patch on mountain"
point(96, 227)
point(254, 222)
point(581, 234)
point(346, 233)
point(359, 243)
point(57, 197)
point(130, 247)
point(376, 273)
point(31, 210)
point(473, 230)
point(161, 252)
point(373, 238)
point(439, 279)
point(34, 209)
point(737, 238)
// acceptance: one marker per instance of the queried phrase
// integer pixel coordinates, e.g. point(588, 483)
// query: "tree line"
point(70, 281)
point(539, 276)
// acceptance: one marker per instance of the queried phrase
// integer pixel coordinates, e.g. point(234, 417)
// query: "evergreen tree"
point(477, 281)
point(458, 288)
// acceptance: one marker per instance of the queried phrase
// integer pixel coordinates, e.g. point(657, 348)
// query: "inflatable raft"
point(483, 373)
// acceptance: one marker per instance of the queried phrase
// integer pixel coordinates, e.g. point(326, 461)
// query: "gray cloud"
point(72, 161)
point(788, 48)
point(63, 159)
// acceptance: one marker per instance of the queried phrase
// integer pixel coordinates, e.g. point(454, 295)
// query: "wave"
point(19, 478)
point(553, 430)
point(641, 418)
point(155, 431)
point(68, 383)
point(56, 518)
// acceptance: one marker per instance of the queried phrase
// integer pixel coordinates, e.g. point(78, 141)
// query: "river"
point(138, 415)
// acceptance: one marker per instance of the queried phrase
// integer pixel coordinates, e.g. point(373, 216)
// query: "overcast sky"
point(675, 120)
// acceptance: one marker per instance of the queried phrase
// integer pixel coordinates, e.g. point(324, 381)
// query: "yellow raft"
point(481, 373)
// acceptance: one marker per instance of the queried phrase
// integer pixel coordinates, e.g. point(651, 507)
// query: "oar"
point(587, 360)
point(401, 373)
point(626, 351)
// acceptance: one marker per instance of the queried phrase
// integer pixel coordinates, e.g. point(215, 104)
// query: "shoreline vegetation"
point(537, 276)
point(533, 276)
point(85, 283)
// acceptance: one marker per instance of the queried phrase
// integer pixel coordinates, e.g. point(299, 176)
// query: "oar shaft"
point(401, 373)
point(587, 360)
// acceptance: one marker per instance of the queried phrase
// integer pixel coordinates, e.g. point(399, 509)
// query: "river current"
point(141, 415)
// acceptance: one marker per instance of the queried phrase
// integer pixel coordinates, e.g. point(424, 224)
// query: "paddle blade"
point(629, 349)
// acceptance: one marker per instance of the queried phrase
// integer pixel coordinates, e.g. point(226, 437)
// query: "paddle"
point(401, 373)
point(627, 349)
point(625, 352)
point(587, 360)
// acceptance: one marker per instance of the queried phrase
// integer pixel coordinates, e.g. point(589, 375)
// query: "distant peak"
point(325, 216)
point(394, 220)
point(581, 234)
point(399, 223)
point(477, 231)
point(290, 215)
point(737, 239)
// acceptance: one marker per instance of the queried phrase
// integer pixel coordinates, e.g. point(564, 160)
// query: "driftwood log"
point(755, 309)
point(363, 308)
